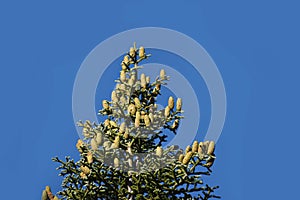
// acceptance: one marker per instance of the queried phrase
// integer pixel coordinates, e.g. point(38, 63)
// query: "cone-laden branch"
point(90, 178)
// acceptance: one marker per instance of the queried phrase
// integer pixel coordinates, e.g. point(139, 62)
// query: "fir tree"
point(123, 158)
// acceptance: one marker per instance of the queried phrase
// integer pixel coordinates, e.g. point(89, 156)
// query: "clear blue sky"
point(255, 45)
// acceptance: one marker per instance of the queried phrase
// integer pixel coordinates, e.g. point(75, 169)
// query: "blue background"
point(255, 45)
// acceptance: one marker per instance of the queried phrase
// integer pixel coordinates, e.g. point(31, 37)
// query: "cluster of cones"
point(204, 150)
point(47, 194)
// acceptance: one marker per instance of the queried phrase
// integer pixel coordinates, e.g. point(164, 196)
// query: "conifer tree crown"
point(123, 158)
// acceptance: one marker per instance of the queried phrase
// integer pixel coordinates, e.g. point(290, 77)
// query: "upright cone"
point(159, 151)
point(167, 111)
point(178, 104)
point(137, 119)
point(162, 74)
point(44, 195)
point(171, 102)
point(195, 146)
point(211, 148)
point(187, 158)
point(142, 52)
